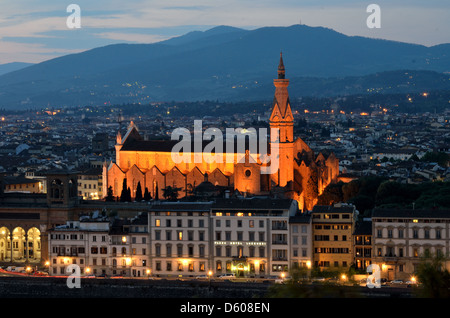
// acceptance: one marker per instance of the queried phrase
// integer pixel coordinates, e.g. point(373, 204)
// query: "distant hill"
point(11, 67)
point(226, 63)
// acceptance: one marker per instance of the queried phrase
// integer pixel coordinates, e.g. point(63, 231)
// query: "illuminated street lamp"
point(209, 276)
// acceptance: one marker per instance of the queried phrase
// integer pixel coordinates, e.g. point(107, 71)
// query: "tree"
point(170, 193)
point(138, 197)
point(124, 193)
point(128, 195)
point(434, 278)
point(147, 196)
point(109, 195)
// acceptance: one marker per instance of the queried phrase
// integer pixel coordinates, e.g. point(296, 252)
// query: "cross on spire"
point(281, 70)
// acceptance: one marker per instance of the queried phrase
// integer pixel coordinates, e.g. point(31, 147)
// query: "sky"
point(36, 30)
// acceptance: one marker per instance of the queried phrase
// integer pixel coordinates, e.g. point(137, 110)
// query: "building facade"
point(333, 236)
point(244, 237)
point(100, 246)
point(401, 238)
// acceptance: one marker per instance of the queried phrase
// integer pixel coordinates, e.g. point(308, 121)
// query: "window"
point(228, 251)
point(261, 236)
point(304, 240)
point(157, 222)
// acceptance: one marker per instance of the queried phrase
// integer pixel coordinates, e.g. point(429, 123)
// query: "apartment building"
point(84, 243)
point(332, 228)
point(362, 244)
point(402, 237)
point(179, 237)
point(100, 246)
point(246, 237)
point(250, 237)
point(300, 231)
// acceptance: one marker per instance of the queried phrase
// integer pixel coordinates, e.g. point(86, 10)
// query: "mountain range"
point(228, 64)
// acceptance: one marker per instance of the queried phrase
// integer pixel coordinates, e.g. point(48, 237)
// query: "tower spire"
point(281, 70)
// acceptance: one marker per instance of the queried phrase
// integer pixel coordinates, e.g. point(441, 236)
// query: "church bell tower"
point(283, 120)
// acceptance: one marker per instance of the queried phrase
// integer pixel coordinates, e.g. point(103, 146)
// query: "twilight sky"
point(36, 30)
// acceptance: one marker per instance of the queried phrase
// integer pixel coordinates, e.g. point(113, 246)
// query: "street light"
point(209, 275)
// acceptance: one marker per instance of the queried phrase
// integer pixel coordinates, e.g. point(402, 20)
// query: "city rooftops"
point(410, 213)
point(337, 208)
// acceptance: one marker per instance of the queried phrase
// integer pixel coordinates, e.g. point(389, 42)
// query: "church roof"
point(168, 145)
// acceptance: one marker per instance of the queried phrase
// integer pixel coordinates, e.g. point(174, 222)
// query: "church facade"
point(300, 174)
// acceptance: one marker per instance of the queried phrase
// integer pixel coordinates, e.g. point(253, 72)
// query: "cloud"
point(39, 28)
point(131, 37)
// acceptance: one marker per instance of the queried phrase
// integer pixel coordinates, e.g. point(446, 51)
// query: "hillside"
point(225, 63)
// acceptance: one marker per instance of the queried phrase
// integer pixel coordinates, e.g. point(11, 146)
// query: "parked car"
point(202, 277)
point(40, 273)
point(227, 276)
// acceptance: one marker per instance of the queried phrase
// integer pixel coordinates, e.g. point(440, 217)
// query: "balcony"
point(392, 258)
point(279, 258)
point(280, 242)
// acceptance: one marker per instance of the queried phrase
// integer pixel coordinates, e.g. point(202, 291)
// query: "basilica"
point(300, 174)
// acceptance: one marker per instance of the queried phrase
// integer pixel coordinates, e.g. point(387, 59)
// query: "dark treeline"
point(367, 193)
